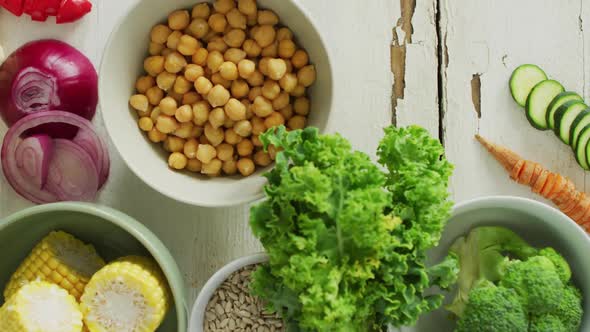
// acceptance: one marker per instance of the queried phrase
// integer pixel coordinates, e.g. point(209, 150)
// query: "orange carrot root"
point(552, 186)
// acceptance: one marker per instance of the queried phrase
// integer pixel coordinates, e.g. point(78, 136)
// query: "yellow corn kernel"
point(41, 306)
point(61, 259)
point(129, 294)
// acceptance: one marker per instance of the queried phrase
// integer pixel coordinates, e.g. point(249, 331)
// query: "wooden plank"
point(488, 40)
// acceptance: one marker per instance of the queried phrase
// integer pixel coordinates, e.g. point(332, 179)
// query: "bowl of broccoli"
point(523, 266)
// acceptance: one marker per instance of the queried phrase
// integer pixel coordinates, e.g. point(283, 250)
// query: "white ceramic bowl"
point(198, 312)
point(122, 64)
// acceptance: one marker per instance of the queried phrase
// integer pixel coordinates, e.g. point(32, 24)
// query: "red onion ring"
point(33, 156)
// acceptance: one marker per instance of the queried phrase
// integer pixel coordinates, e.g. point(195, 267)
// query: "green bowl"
point(114, 234)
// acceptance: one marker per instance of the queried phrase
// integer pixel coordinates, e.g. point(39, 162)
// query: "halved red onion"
point(33, 155)
point(97, 149)
point(72, 173)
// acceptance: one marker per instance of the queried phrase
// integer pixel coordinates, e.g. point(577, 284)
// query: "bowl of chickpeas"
point(187, 87)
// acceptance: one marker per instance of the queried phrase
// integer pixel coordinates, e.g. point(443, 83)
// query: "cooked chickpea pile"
point(218, 77)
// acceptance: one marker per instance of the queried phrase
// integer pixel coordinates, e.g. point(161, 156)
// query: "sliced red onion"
point(97, 149)
point(72, 173)
point(33, 155)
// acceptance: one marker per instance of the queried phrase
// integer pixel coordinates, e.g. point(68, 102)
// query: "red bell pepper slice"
point(13, 6)
point(73, 10)
point(52, 7)
point(36, 9)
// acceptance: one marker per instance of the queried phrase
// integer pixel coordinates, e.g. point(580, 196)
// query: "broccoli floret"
point(482, 256)
point(561, 265)
point(493, 309)
point(537, 282)
point(547, 323)
point(570, 310)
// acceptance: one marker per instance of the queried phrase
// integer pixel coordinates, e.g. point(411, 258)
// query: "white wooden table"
point(433, 66)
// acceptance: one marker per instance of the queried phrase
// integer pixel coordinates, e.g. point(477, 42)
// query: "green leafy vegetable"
point(347, 240)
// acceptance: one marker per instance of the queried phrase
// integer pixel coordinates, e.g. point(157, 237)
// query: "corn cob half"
point(61, 259)
point(41, 306)
point(128, 295)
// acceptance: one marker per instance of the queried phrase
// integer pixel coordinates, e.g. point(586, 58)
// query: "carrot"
point(553, 186)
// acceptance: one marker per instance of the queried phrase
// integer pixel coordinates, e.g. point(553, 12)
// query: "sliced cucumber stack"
point(559, 100)
point(523, 80)
point(564, 118)
point(538, 101)
point(581, 121)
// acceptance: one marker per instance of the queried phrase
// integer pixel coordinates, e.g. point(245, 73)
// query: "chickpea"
point(301, 106)
point(175, 62)
point(274, 119)
point(229, 123)
point(251, 48)
point(248, 104)
point(234, 55)
point(258, 126)
point(286, 48)
point(254, 92)
point(173, 40)
point(194, 165)
point(190, 98)
point(146, 124)
point(198, 28)
point(299, 59)
point(214, 135)
point(224, 6)
point(243, 128)
point(231, 137)
point(214, 61)
point(230, 167)
point(212, 168)
point(264, 35)
point(246, 68)
point(155, 49)
point(203, 85)
point(217, 117)
point(277, 68)
point(236, 19)
point(201, 112)
point(255, 79)
point(247, 7)
point(229, 71)
point(160, 33)
point(287, 112)
point(262, 107)
point(166, 124)
point(262, 158)
point(168, 106)
point(299, 91)
point(306, 75)
point(154, 65)
point(139, 102)
point(182, 85)
point(155, 136)
point(206, 153)
point(185, 130)
point(245, 147)
point(218, 96)
point(144, 83)
point(190, 148)
point(271, 50)
point(177, 160)
point(263, 65)
point(192, 72)
point(200, 57)
point(155, 113)
point(201, 10)
point(235, 37)
point(284, 33)
point(296, 122)
point(225, 151)
point(166, 51)
point(256, 141)
point(267, 17)
point(178, 20)
point(188, 45)
point(235, 110)
point(288, 82)
point(272, 152)
point(147, 112)
point(246, 166)
point(271, 89)
point(217, 22)
point(239, 89)
point(184, 113)
point(174, 144)
point(165, 80)
point(217, 44)
point(281, 101)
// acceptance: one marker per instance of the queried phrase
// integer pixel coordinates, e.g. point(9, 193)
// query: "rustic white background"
point(369, 40)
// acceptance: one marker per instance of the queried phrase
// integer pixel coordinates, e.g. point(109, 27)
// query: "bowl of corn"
point(71, 267)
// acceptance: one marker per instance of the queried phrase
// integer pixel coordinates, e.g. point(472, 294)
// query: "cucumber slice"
point(583, 148)
point(559, 100)
point(522, 81)
point(565, 116)
point(581, 121)
point(539, 99)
